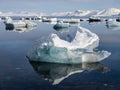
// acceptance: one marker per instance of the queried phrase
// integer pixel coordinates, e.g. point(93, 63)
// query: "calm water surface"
point(17, 73)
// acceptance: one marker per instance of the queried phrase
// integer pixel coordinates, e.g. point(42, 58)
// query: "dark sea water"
point(17, 73)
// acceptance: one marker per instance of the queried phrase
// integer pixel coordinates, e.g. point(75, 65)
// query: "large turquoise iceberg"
point(81, 48)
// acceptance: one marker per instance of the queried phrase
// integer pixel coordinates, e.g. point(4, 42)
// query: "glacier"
point(108, 12)
point(80, 48)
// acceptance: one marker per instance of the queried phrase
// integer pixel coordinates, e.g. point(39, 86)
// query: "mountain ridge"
point(81, 13)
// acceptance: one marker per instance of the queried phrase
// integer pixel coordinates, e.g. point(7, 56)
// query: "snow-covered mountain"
point(75, 13)
point(88, 13)
point(109, 12)
point(23, 13)
point(80, 13)
point(59, 13)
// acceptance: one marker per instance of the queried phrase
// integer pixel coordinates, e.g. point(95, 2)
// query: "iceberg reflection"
point(56, 73)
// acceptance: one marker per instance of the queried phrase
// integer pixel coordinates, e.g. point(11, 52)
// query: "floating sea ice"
point(113, 23)
point(60, 25)
point(61, 55)
point(83, 39)
point(56, 50)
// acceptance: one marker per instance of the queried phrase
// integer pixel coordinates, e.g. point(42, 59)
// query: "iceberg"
point(56, 73)
point(18, 24)
point(113, 24)
point(71, 21)
point(19, 29)
point(49, 19)
point(61, 24)
point(77, 48)
point(83, 39)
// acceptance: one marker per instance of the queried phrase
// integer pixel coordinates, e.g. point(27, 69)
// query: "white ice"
point(83, 39)
point(80, 49)
point(113, 23)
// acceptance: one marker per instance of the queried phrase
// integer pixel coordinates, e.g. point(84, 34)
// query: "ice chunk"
point(61, 24)
point(80, 49)
point(83, 39)
point(62, 55)
point(113, 25)
point(21, 24)
point(19, 29)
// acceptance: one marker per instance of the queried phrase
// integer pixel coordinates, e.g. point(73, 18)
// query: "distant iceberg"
point(113, 24)
point(19, 29)
point(9, 23)
point(77, 48)
point(49, 19)
point(60, 25)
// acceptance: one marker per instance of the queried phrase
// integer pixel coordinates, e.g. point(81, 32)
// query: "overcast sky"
point(56, 5)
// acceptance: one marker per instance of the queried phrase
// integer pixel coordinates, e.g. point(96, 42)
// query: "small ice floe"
point(61, 25)
point(71, 21)
point(9, 23)
point(56, 73)
point(94, 19)
point(19, 29)
point(31, 18)
point(113, 24)
point(76, 50)
point(49, 19)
